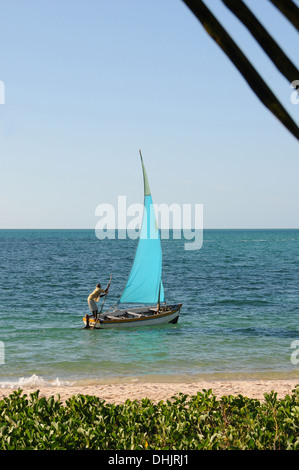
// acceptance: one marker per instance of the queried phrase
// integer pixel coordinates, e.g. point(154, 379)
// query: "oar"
point(97, 317)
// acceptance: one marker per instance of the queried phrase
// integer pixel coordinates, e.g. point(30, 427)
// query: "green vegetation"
point(184, 423)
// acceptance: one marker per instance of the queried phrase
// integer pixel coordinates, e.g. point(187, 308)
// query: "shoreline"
point(118, 393)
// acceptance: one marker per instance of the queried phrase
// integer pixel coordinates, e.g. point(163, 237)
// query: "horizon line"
point(170, 228)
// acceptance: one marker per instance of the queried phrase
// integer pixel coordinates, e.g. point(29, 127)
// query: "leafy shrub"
point(183, 423)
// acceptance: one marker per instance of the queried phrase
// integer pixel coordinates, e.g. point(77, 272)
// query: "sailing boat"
point(144, 287)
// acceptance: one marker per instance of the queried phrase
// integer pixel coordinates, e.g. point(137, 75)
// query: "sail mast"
point(147, 190)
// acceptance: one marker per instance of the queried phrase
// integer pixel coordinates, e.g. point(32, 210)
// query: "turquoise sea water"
point(240, 295)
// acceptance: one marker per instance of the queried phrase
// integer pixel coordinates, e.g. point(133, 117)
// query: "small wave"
point(243, 302)
point(33, 382)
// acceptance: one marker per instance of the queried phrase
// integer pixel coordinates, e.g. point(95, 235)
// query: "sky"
point(90, 82)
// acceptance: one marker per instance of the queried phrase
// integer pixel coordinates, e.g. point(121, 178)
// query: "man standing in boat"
point(93, 298)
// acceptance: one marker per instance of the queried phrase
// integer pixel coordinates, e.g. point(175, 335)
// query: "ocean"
point(239, 319)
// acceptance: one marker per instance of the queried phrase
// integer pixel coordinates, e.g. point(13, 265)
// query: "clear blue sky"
point(89, 82)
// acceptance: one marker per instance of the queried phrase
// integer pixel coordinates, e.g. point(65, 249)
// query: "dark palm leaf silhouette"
point(265, 40)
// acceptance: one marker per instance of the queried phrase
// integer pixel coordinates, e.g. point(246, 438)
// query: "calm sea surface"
point(240, 295)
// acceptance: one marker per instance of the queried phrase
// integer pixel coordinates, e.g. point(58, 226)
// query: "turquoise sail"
point(144, 285)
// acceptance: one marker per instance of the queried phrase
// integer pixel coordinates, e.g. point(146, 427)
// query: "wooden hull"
point(135, 317)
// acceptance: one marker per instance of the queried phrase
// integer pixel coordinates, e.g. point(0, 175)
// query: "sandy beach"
point(120, 392)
